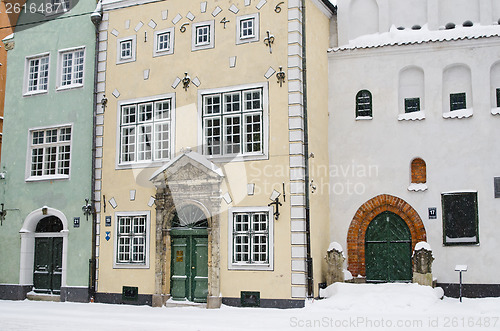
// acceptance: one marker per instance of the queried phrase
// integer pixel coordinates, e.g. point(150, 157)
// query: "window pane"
point(144, 142)
point(126, 49)
point(364, 103)
point(63, 160)
point(241, 248)
point(232, 135)
point(162, 141)
point(253, 100)
point(253, 133)
point(128, 144)
point(203, 35)
point(163, 42)
point(246, 28)
point(457, 101)
point(212, 104)
point(36, 161)
point(162, 110)
point(212, 136)
point(53, 152)
point(232, 102)
point(460, 218)
point(412, 105)
point(498, 97)
point(128, 114)
point(145, 112)
point(50, 160)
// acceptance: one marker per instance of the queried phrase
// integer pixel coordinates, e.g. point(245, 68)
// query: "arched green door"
point(388, 249)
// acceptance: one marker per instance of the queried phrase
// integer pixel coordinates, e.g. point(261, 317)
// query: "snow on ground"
point(349, 307)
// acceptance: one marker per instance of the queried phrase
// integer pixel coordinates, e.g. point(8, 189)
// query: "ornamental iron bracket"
point(281, 76)
point(277, 211)
point(268, 41)
point(185, 81)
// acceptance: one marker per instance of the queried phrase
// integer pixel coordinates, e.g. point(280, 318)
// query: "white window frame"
point(248, 39)
point(133, 40)
point(60, 63)
point(122, 265)
point(145, 163)
point(195, 46)
point(28, 59)
point(28, 176)
point(170, 50)
point(263, 154)
point(251, 266)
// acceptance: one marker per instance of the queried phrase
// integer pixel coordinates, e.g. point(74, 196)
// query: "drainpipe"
point(96, 18)
point(309, 261)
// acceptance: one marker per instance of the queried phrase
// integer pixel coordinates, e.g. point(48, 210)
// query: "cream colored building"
point(200, 126)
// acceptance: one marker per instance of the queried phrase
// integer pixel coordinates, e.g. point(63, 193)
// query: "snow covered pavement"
point(349, 307)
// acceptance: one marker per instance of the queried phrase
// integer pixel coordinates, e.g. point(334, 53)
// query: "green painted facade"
point(22, 113)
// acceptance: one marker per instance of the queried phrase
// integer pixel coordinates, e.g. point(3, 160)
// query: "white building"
point(413, 132)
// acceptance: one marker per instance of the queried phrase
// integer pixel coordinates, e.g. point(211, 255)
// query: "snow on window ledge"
point(495, 111)
point(417, 187)
point(413, 116)
point(358, 118)
point(460, 113)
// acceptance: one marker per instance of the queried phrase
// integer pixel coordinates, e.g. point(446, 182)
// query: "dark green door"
point(189, 265)
point(189, 255)
point(388, 249)
point(48, 265)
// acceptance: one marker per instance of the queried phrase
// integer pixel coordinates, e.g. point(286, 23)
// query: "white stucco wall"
point(372, 157)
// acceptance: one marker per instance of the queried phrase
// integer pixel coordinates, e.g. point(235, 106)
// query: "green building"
point(46, 170)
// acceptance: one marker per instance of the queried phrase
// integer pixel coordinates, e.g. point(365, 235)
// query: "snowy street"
point(349, 307)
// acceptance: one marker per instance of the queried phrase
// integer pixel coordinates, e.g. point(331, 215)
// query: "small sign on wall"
point(107, 221)
point(432, 213)
point(76, 222)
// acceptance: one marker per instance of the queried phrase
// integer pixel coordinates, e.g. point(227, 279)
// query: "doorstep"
point(43, 297)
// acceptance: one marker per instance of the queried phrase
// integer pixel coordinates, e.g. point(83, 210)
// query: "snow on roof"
point(408, 36)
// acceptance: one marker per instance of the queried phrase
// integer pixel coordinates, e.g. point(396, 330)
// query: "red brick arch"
point(365, 214)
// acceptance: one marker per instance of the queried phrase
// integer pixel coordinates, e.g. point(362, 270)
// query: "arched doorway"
point(388, 249)
point(47, 269)
point(366, 214)
point(189, 257)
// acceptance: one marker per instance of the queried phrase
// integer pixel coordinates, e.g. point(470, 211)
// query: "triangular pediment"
point(187, 167)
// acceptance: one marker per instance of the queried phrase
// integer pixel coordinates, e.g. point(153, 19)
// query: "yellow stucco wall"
point(212, 68)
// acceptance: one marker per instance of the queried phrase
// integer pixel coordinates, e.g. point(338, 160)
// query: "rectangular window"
point(457, 101)
point(163, 42)
point(126, 49)
point(203, 35)
point(460, 218)
point(38, 74)
point(247, 28)
point(233, 122)
point(498, 97)
point(252, 243)
point(412, 105)
point(131, 239)
point(71, 68)
point(50, 153)
point(145, 133)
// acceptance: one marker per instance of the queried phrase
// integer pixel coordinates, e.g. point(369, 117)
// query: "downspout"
point(309, 261)
point(96, 18)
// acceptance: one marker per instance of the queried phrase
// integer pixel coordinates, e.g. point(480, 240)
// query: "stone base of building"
point(470, 290)
point(158, 300)
point(116, 298)
point(214, 302)
point(268, 303)
point(75, 294)
point(423, 279)
point(14, 292)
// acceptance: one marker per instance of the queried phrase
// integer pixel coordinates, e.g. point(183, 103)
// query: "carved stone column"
point(422, 265)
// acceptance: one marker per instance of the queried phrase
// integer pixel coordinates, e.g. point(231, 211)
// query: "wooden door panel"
point(200, 271)
point(179, 270)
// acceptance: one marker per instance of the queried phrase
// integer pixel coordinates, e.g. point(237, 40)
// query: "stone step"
point(43, 297)
point(174, 303)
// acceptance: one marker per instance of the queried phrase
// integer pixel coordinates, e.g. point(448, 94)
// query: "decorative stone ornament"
point(422, 264)
point(335, 264)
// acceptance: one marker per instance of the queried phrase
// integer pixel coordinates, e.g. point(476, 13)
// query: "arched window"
point(364, 104)
point(418, 171)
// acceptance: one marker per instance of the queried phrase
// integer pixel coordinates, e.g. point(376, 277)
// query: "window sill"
point(125, 61)
point(251, 267)
point(363, 118)
point(460, 113)
point(237, 158)
point(417, 187)
point(29, 94)
point(495, 111)
point(69, 87)
point(163, 53)
point(414, 116)
point(141, 165)
point(45, 178)
point(130, 266)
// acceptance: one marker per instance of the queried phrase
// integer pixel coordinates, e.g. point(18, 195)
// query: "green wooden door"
point(388, 249)
point(189, 265)
point(48, 265)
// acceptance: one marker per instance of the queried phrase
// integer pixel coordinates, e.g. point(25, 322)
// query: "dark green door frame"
point(388, 249)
